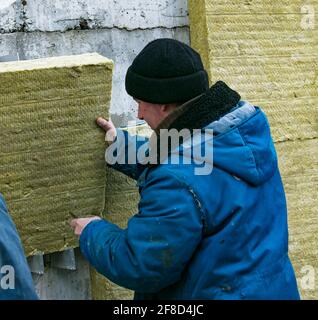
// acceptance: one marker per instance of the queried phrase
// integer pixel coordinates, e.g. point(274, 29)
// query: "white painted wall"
point(61, 15)
point(8, 19)
point(6, 3)
point(117, 29)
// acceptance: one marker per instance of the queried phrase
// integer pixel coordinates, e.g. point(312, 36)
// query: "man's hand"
point(109, 128)
point(79, 224)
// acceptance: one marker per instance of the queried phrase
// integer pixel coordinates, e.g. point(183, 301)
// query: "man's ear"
point(168, 108)
point(165, 108)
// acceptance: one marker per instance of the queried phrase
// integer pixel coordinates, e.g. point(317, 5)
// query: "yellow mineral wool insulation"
point(121, 202)
point(268, 52)
point(103, 289)
point(298, 162)
point(52, 165)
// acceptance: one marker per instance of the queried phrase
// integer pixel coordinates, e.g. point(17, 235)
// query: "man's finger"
point(78, 231)
point(73, 223)
point(103, 123)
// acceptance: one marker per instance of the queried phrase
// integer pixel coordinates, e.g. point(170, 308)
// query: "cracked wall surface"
point(268, 51)
point(63, 15)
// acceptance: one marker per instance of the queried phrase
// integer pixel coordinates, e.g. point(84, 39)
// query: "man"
point(218, 235)
point(15, 277)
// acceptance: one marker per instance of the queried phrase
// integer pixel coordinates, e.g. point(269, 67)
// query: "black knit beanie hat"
point(166, 71)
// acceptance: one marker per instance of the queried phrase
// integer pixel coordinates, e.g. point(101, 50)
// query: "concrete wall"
point(117, 29)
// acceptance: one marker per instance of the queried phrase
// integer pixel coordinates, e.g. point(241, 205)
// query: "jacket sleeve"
point(158, 242)
point(122, 154)
point(12, 260)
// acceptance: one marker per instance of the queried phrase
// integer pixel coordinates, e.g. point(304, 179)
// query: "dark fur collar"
point(195, 114)
point(202, 110)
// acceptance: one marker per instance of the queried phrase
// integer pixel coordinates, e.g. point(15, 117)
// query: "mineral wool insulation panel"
point(52, 164)
point(268, 51)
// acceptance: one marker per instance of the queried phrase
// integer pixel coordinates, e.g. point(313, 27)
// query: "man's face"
point(153, 114)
